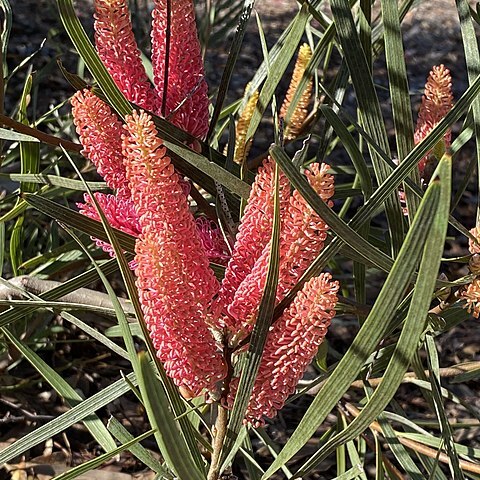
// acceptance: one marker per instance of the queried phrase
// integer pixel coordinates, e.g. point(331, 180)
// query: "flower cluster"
point(437, 101)
point(194, 321)
point(185, 308)
point(182, 99)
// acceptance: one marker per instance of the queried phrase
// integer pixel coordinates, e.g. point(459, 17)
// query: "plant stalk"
point(220, 432)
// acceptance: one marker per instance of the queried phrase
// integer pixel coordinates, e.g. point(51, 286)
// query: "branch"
point(19, 286)
point(418, 447)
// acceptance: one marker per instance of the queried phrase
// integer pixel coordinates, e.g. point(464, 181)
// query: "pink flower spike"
point(303, 232)
point(100, 133)
point(186, 89)
point(174, 280)
point(120, 213)
point(292, 343)
point(436, 103)
point(118, 50)
point(253, 236)
point(472, 297)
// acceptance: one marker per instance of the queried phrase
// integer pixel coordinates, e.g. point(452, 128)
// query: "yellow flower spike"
point(293, 127)
point(242, 145)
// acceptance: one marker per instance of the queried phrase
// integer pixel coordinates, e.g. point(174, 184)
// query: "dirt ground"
point(431, 35)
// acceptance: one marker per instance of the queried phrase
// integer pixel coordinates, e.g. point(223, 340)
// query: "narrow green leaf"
point(371, 332)
point(174, 450)
point(222, 176)
point(15, 136)
point(6, 29)
point(470, 376)
point(2, 247)
point(354, 472)
point(144, 455)
point(29, 151)
point(67, 392)
point(54, 180)
point(259, 334)
point(399, 91)
point(92, 332)
point(254, 470)
point(16, 251)
point(447, 434)
point(413, 326)
point(472, 58)
point(97, 461)
point(400, 452)
point(432, 441)
point(29, 163)
point(352, 149)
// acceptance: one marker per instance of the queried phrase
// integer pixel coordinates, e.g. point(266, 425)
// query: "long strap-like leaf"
point(371, 332)
point(259, 334)
point(414, 324)
point(369, 107)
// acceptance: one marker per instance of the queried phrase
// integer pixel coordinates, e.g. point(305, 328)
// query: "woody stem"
point(220, 431)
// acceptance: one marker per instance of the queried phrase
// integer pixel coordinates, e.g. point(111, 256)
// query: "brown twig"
point(220, 431)
point(444, 373)
point(416, 446)
point(37, 286)
point(43, 137)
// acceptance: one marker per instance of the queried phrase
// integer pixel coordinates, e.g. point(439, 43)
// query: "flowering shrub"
point(245, 261)
point(176, 287)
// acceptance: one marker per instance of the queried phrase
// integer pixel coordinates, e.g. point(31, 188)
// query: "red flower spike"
point(436, 103)
point(186, 89)
point(117, 48)
point(304, 231)
point(174, 280)
point(100, 133)
point(291, 344)
point(253, 236)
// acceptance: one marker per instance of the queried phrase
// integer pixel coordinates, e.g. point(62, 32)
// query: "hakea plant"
point(194, 322)
point(180, 95)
